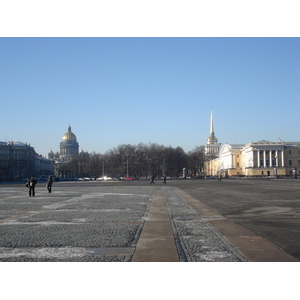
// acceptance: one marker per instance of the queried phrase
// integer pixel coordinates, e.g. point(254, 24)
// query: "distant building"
point(256, 159)
point(19, 161)
point(69, 148)
point(212, 146)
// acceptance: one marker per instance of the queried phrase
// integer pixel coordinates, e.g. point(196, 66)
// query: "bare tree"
point(196, 160)
point(143, 160)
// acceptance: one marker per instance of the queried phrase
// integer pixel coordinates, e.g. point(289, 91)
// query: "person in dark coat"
point(165, 180)
point(49, 183)
point(152, 180)
point(31, 184)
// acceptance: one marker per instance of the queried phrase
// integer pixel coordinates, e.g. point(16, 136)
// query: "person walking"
point(31, 184)
point(165, 180)
point(49, 183)
point(152, 180)
point(220, 177)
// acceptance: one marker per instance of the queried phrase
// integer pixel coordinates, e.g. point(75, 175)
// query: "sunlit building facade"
point(257, 159)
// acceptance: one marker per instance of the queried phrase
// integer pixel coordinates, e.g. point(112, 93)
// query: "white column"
point(258, 158)
point(282, 158)
point(265, 163)
point(276, 158)
point(270, 158)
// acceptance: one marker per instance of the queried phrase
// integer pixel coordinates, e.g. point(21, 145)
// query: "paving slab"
point(156, 243)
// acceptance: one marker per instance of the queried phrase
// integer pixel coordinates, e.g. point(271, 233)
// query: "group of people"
point(31, 183)
point(152, 180)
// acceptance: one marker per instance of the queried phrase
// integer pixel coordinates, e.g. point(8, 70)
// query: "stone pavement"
point(95, 221)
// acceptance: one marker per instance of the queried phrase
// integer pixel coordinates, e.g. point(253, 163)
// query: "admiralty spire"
point(212, 147)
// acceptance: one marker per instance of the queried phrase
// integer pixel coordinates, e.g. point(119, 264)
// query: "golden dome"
point(69, 135)
point(212, 140)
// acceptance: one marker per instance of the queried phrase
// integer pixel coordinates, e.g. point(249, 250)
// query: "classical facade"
point(19, 161)
point(68, 146)
point(263, 158)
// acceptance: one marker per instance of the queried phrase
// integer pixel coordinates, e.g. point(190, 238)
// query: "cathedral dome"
point(69, 135)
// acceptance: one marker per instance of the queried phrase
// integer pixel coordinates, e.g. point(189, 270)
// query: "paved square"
point(103, 221)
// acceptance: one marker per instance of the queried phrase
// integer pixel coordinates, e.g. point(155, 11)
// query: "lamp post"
point(275, 169)
point(105, 160)
point(127, 167)
point(103, 169)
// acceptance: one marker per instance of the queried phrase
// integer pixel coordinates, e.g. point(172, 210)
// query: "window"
point(290, 162)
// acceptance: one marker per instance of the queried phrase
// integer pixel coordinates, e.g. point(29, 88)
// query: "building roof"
point(69, 135)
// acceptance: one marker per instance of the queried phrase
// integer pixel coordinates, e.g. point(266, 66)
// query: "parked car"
point(105, 178)
point(211, 177)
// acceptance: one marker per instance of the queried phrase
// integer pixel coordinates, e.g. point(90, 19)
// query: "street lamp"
point(275, 169)
point(103, 169)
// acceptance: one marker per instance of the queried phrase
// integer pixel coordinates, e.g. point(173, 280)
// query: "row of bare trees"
point(142, 160)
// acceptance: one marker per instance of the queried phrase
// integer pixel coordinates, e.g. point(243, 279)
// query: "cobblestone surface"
point(88, 224)
point(98, 223)
point(197, 240)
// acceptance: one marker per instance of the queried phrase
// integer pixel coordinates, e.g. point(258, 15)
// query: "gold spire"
point(212, 139)
point(212, 131)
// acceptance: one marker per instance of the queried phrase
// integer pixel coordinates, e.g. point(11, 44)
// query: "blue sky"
point(116, 91)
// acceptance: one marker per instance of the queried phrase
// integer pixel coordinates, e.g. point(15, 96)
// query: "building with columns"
point(263, 158)
point(69, 148)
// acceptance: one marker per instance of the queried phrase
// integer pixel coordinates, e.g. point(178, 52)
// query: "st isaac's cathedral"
point(69, 147)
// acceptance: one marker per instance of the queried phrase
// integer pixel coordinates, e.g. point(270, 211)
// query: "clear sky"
point(139, 90)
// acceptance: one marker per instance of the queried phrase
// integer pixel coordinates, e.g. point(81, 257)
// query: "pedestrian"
point(31, 185)
point(49, 183)
point(220, 177)
point(152, 180)
point(165, 180)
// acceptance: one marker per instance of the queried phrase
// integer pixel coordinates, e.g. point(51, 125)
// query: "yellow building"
point(263, 158)
point(212, 166)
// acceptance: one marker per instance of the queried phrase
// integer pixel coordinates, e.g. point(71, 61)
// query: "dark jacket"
point(32, 182)
point(50, 181)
